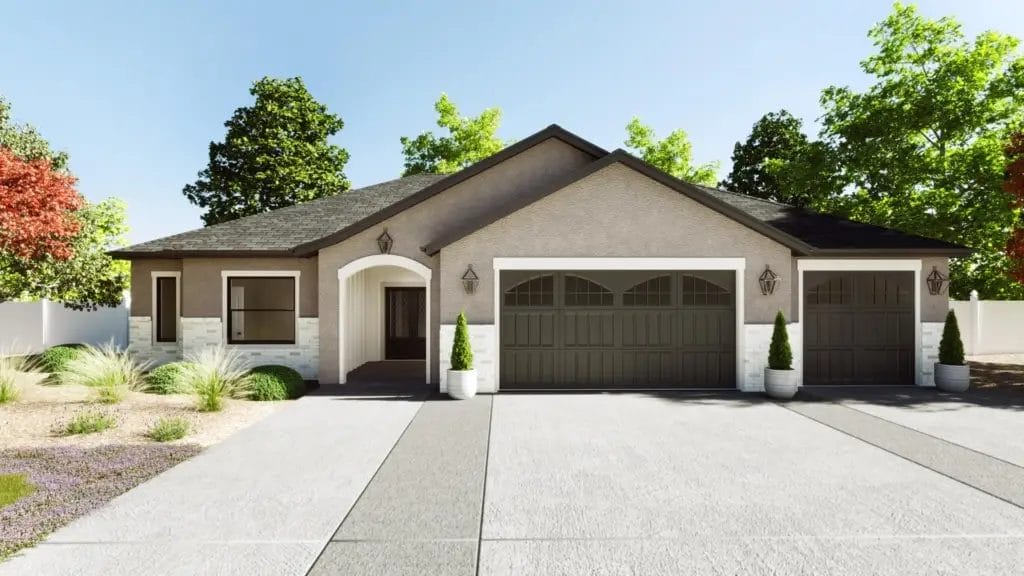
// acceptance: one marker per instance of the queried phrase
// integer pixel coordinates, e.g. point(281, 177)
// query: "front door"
point(405, 323)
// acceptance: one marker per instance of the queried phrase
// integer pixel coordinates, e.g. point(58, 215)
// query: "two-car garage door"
point(617, 329)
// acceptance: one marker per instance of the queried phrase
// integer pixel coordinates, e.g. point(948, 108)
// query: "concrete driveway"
point(611, 484)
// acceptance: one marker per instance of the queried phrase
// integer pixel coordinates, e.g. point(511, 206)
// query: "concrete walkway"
point(265, 501)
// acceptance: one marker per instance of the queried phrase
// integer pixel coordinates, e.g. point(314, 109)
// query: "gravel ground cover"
point(73, 480)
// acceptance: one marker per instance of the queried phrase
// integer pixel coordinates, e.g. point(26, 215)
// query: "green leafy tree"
point(765, 164)
point(951, 347)
point(921, 149)
point(462, 354)
point(469, 140)
point(780, 355)
point(89, 278)
point(275, 154)
point(673, 154)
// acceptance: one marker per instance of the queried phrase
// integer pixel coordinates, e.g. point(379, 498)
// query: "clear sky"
point(134, 91)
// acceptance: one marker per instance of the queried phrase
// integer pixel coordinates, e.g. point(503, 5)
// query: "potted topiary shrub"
point(461, 375)
point(780, 379)
point(951, 372)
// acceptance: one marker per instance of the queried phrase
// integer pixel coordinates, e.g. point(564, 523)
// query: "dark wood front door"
point(405, 321)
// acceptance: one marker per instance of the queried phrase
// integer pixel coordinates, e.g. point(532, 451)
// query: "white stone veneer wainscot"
point(482, 341)
point(757, 338)
point(931, 335)
point(141, 344)
point(304, 356)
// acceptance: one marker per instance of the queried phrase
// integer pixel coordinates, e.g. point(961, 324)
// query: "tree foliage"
point(921, 149)
point(766, 164)
point(84, 277)
point(1014, 185)
point(275, 154)
point(673, 154)
point(37, 206)
point(951, 347)
point(462, 353)
point(780, 355)
point(469, 140)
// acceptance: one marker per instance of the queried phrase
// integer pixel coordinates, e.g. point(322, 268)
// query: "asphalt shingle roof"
point(287, 228)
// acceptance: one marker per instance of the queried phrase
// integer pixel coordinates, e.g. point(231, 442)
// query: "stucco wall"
point(933, 308)
point(203, 293)
point(422, 223)
point(615, 212)
point(142, 283)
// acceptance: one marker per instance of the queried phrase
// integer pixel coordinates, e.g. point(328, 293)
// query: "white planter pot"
point(952, 378)
point(780, 384)
point(462, 384)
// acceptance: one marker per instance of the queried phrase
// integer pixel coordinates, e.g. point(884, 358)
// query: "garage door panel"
point(646, 328)
point(859, 328)
point(528, 366)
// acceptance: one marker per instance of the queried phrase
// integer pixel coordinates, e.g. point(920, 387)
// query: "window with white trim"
point(166, 312)
point(261, 310)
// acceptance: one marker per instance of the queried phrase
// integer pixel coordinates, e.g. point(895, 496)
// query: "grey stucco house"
point(577, 268)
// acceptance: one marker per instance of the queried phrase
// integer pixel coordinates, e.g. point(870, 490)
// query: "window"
point(539, 291)
point(261, 310)
point(700, 292)
point(654, 292)
point(165, 308)
point(582, 292)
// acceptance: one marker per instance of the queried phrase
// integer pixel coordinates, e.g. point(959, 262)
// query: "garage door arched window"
point(580, 291)
point(656, 291)
point(700, 292)
point(537, 291)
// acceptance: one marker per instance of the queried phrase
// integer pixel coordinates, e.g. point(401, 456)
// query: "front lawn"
point(13, 487)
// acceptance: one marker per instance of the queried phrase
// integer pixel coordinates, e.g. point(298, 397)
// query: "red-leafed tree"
point(37, 208)
point(1015, 186)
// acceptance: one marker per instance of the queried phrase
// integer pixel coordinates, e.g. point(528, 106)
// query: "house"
point(576, 267)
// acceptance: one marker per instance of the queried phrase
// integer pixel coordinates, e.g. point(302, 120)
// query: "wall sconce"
point(470, 280)
point(384, 242)
point(768, 280)
point(936, 282)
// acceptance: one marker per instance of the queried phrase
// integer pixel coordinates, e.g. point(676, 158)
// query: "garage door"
point(859, 328)
point(617, 329)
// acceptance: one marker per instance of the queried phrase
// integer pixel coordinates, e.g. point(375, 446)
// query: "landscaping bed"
point(998, 372)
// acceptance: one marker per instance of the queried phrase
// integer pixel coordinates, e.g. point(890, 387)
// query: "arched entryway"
point(383, 311)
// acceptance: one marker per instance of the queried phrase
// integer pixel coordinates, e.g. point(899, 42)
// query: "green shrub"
point(9, 391)
point(11, 365)
point(111, 372)
point(462, 353)
point(275, 383)
point(168, 429)
point(951, 347)
point(780, 356)
point(169, 378)
point(217, 373)
point(55, 360)
point(88, 423)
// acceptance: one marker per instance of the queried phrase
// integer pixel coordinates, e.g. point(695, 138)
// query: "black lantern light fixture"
point(470, 280)
point(768, 280)
point(936, 282)
point(384, 242)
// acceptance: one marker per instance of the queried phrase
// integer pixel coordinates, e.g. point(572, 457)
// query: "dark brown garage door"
point(859, 328)
point(617, 329)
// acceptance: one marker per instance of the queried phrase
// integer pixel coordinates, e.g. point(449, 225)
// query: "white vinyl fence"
point(31, 327)
point(990, 326)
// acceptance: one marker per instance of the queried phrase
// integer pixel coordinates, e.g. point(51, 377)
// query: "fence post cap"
point(974, 294)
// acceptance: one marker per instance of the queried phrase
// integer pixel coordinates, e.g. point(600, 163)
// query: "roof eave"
point(175, 254)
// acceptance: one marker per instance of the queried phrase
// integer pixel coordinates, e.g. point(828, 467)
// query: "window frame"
point(154, 284)
point(226, 276)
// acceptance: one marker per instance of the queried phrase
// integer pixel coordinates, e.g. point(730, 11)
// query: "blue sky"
point(134, 91)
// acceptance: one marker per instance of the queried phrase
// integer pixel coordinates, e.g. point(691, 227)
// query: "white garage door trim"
point(866, 265)
point(546, 263)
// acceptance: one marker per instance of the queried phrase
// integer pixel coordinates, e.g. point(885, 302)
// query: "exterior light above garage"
point(384, 242)
point(470, 280)
point(768, 280)
point(936, 282)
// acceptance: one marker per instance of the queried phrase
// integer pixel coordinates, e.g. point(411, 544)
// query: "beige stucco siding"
point(142, 282)
point(933, 307)
point(615, 212)
point(202, 296)
point(424, 222)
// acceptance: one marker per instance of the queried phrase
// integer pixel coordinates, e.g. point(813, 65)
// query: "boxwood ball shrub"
point(56, 359)
point(462, 354)
point(274, 382)
point(951, 347)
point(780, 355)
point(169, 378)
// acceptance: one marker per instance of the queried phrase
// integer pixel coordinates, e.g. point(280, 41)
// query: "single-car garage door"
point(859, 328)
point(617, 329)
